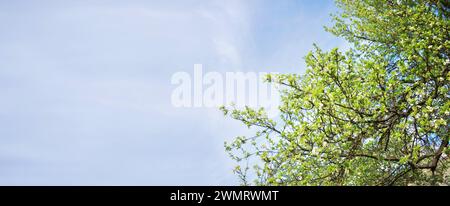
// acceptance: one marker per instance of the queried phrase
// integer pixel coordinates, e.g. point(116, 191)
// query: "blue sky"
point(85, 85)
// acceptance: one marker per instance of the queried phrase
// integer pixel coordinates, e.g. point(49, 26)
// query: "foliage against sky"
point(377, 114)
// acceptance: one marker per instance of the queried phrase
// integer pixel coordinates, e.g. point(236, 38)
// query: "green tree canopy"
point(377, 114)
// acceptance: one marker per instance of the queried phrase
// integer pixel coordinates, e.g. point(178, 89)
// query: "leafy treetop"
point(378, 114)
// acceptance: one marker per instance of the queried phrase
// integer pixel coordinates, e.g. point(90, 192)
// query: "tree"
point(377, 114)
